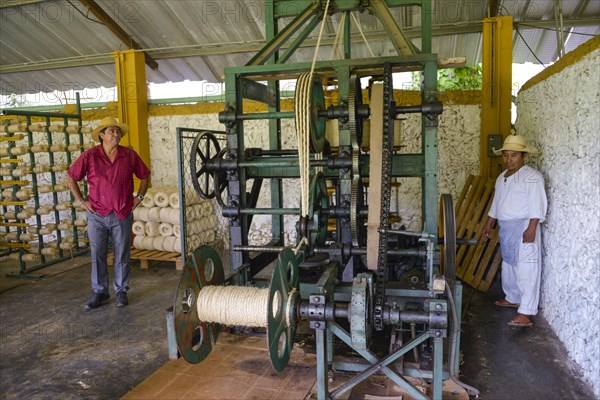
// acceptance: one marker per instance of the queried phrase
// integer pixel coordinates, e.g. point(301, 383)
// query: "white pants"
point(521, 282)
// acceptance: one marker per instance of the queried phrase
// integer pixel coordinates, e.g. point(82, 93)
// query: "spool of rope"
point(169, 243)
point(59, 167)
point(21, 171)
point(30, 257)
point(5, 171)
point(24, 215)
point(46, 231)
point(154, 214)
point(194, 227)
point(143, 213)
point(233, 305)
point(165, 229)
point(66, 245)
point(177, 245)
point(51, 226)
point(45, 209)
point(161, 197)
point(58, 147)
point(45, 189)
point(137, 242)
point(10, 215)
point(56, 128)
point(147, 243)
point(48, 251)
point(4, 152)
point(139, 228)
point(169, 215)
point(33, 229)
point(65, 226)
point(40, 148)
point(65, 205)
point(209, 222)
point(81, 222)
point(148, 199)
point(26, 237)
point(61, 187)
point(152, 228)
point(207, 208)
point(37, 127)
point(18, 151)
point(87, 146)
point(174, 200)
point(157, 243)
point(13, 128)
point(207, 237)
point(12, 236)
point(177, 230)
point(40, 169)
point(73, 147)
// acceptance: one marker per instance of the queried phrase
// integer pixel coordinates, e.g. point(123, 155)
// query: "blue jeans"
point(99, 230)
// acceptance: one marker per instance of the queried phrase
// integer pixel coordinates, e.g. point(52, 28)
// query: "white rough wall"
point(561, 116)
point(458, 142)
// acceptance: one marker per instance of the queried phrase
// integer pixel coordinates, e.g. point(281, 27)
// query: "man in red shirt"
point(109, 169)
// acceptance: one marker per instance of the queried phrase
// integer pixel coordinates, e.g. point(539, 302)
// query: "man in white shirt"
point(519, 206)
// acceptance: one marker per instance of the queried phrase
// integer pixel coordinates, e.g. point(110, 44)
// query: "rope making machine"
point(390, 295)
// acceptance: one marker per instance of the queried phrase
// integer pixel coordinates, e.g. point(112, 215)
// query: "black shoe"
point(122, 299)
point(96, 301)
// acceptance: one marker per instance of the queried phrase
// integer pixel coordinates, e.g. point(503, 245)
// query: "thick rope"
point(234, 305)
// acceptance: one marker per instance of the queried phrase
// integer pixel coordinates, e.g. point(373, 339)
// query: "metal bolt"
point(438, 306)
point(438, 333)
point(317, 324)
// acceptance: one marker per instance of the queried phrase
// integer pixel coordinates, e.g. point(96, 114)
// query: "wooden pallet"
point(476, 265)
point(144, 256)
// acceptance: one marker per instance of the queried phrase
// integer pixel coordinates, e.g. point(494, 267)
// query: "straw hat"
point(105, 123)
point(515, 143)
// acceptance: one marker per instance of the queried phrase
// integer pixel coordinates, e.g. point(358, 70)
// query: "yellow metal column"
point(497, 90)
point(133, 101)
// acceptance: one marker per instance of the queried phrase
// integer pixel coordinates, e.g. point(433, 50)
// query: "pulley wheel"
point(318, 200)
point(311, 98)
point(205, 149)
point(195, 338)
point(447, 227)
point(281, 310)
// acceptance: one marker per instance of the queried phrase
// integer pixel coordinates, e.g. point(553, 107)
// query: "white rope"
point(362, 34)
point(302, 117)
point(336, 53)
point(233, 305)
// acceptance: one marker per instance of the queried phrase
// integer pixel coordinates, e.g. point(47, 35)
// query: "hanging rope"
point(336, 53)
point(302, 105)
point(362, 34)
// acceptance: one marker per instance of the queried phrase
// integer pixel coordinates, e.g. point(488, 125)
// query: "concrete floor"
point(51, 348)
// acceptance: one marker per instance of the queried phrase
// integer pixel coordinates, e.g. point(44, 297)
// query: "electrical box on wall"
point(494, 142)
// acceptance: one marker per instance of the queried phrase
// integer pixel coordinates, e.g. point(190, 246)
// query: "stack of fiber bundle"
point(157, 221)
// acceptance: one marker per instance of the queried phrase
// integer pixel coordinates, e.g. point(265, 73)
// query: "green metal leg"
point(322, 354)
point(438, 363)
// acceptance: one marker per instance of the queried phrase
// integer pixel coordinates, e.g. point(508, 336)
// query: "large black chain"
point(386, 193)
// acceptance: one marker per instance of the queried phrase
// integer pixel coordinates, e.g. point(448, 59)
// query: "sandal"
point(505, 303)
point(520, 320)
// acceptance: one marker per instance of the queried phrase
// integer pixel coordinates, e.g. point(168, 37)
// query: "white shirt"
point(522, 196)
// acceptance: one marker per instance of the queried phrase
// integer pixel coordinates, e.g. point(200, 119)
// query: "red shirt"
point(110, 184)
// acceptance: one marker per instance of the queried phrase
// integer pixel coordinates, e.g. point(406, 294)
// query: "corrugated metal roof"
point(196, 39)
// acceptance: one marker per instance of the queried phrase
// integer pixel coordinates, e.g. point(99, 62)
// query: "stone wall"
point(560, 114)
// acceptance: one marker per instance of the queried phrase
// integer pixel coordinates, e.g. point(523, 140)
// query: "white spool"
point(45, 189)
point(18, 150)
point(154, 214)
point(48, 251)
point(73, 147)
point(161, 198)
point(40, 148)
point(147, 243)
point(4, 152)
point(174, 200)
point(157, 243)
point(30, 257)
point(152, 228)
point(58, 147)
point(177, 230)
point(46, 231)
point(26, 237)
point(24, 215)
point(169, 243)
point(194, 227)
point(65, 226)
point(81, 222)
point(136, 213)
point(148, 200)
point(12, 236)
point(139, 228)
point(137, 242)
point(37, 128)
point(169, 215)
point(209, 222)
point(61, 187)
point(87, 146)
point(143, 213)
point(233, 305)
point(66, 246)
point(40, 169)
point(60, 167)
point(165, 229)
point(65, 205)
point(207, 209)
point(44, 210)
point(177, 245)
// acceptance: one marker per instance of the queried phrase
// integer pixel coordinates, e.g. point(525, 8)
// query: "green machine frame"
point(342, 290)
